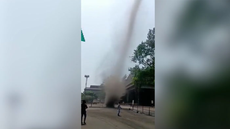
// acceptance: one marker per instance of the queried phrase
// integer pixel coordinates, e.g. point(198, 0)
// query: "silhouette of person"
point(83, 111)
point(118, 109)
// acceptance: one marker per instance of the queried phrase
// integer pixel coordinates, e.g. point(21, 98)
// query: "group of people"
point(83, 111)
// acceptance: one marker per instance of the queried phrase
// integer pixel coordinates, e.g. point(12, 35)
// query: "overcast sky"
point(102, 22)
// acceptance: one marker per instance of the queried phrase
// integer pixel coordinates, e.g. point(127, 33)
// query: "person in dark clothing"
point(83, 111)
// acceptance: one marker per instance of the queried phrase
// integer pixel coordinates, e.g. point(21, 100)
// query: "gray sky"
point(102, 22)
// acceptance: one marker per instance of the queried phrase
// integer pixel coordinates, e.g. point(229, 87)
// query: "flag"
point(82, 37)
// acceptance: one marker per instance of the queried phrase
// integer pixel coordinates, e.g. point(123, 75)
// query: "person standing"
point(118, 109)
point(83, 112)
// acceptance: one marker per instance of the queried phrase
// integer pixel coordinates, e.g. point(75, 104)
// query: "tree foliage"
point(144, 58)
point(88, 96)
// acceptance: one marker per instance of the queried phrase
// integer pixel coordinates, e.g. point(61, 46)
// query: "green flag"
point(82, 37)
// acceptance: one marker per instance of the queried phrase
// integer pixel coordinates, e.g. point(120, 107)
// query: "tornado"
point(113, 85)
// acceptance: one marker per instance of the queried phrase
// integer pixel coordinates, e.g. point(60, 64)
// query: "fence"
point(96, 105)
point(147, 110)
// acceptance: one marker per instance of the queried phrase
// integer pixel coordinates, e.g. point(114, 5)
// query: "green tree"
point(82, 96)
point(89, 96)
point(144, 58)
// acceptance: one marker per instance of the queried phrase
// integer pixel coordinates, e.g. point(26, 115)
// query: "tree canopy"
point(144, 58)
point(88, 96)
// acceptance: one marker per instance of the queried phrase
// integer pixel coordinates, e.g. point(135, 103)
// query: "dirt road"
point(106, 118)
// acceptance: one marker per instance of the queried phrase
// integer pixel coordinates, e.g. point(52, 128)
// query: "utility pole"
point(86, 76)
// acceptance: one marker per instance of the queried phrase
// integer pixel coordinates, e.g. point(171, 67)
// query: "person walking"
point(118, 109)
point(83, 112)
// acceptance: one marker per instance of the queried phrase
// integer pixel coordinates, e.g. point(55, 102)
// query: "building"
point(97, 90)
point(144, 96)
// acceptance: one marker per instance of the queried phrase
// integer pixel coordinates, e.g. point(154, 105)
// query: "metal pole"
point(150, 106)
point(86, 82)
point(133, 105)
point(138, 92)
point(149, 110)
point(142, 109)
point(86, 76)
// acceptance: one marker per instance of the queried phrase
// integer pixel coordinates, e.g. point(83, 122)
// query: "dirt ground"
point(106, 118)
